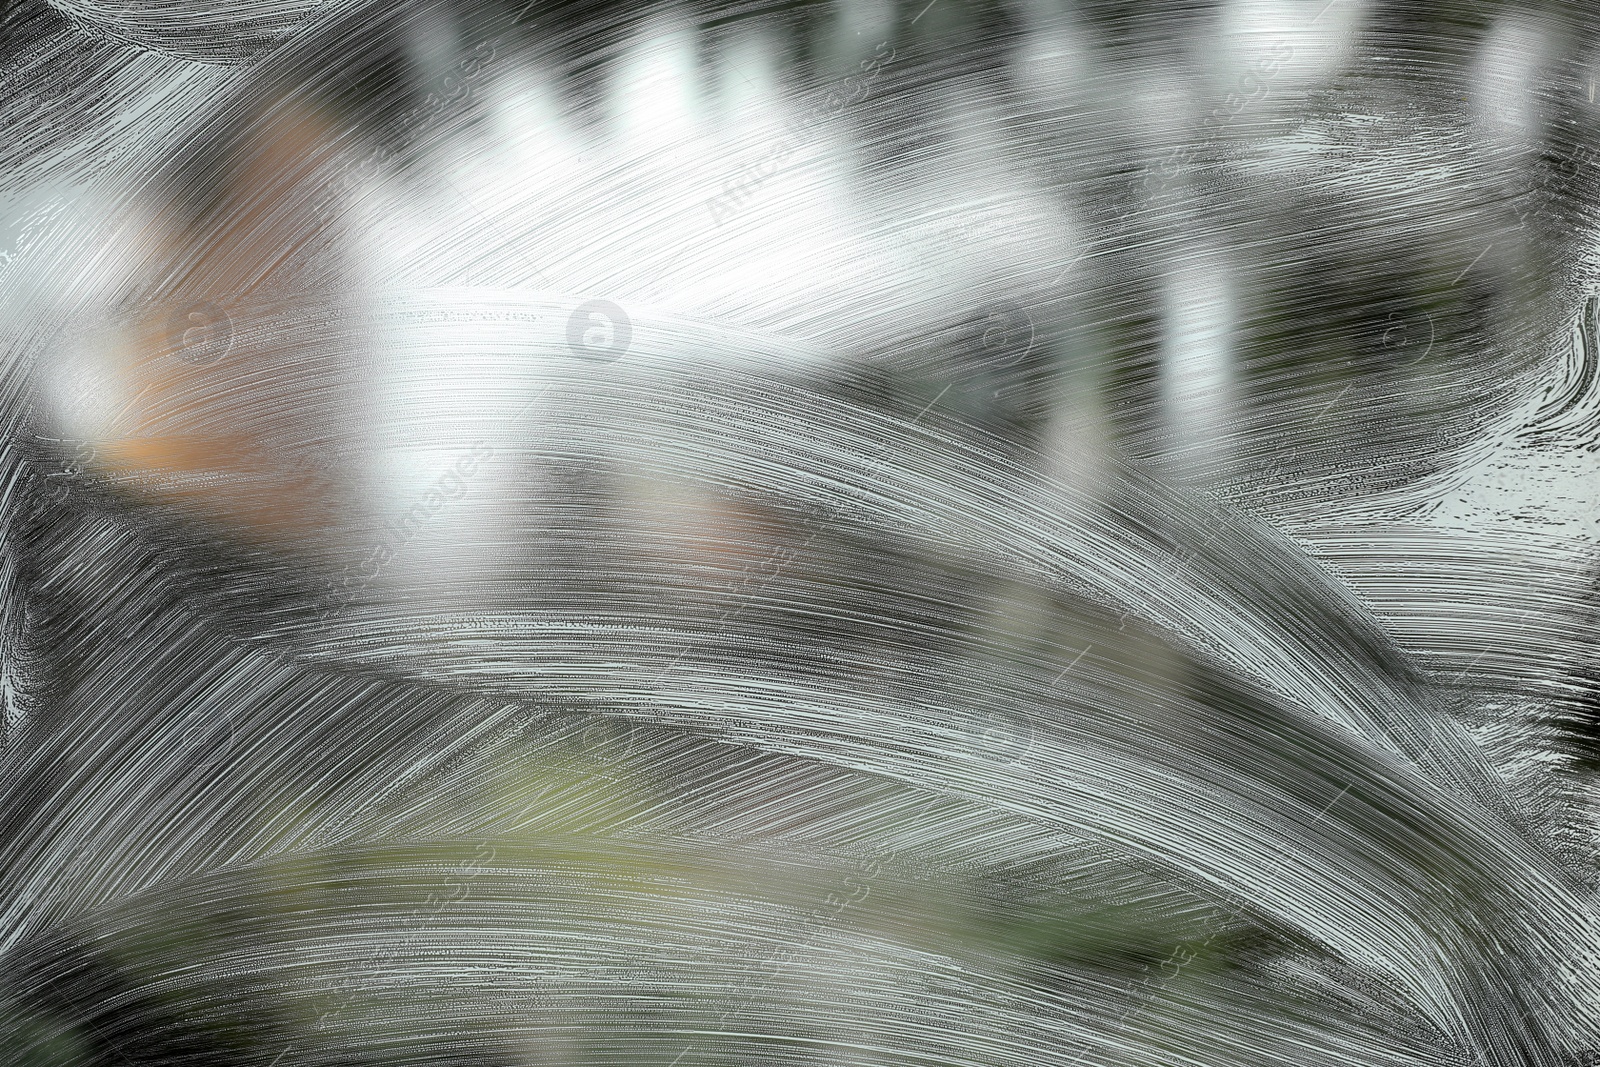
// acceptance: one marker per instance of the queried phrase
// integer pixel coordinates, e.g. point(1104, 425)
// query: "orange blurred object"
point(227, 383)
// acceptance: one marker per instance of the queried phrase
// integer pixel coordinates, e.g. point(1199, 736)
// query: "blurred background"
point(960, 532)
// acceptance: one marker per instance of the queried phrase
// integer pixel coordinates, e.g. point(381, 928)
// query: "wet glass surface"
point(832, 533)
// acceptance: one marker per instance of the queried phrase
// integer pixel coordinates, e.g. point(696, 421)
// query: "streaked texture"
point(970, 532)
